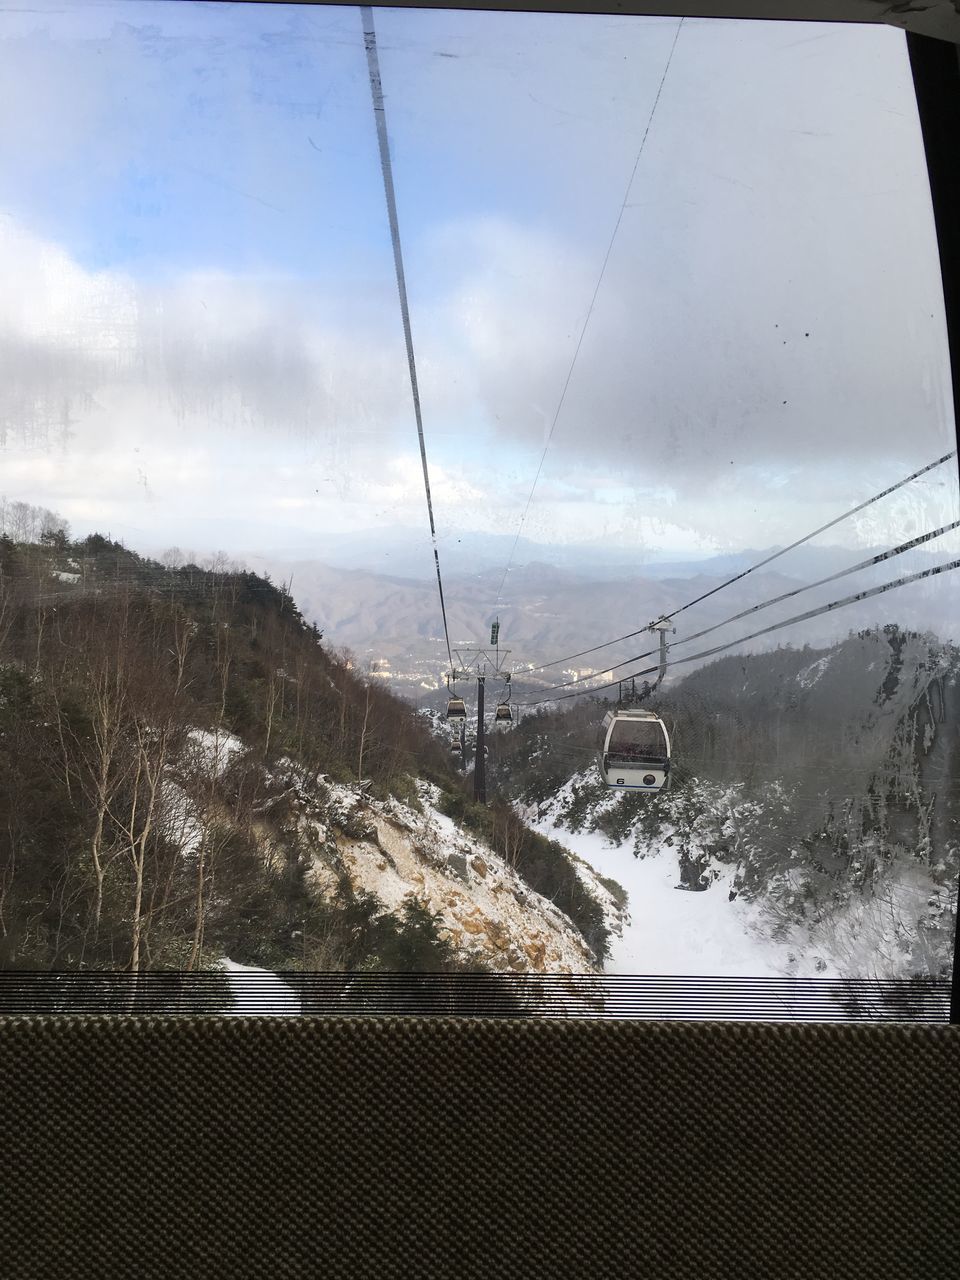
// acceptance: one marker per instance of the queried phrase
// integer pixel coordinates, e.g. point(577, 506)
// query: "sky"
point(200, 337)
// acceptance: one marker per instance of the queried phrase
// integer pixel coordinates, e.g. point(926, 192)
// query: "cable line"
point(631, 635)
point(593, 300)
point(937, 462)
point(787, 595)
point(637, 657)
point(776, 626)
point(379, 113)
point(843, 573)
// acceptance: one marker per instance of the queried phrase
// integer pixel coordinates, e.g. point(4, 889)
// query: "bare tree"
point(363, 736)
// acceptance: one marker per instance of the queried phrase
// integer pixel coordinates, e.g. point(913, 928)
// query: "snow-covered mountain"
point(813, 822)
point(487, 912)
point(900, 927)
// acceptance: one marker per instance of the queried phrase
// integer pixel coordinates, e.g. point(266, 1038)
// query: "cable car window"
point(637, 741)
point(394, 402)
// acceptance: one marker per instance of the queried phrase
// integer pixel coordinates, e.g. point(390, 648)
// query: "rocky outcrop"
point(483, 907)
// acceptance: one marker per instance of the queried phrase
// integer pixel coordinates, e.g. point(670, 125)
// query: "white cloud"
point(767, 348)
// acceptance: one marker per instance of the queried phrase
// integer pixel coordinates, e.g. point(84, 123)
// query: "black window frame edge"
point(935, 65)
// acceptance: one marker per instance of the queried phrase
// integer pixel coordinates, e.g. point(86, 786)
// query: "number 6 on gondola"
point(634, 751)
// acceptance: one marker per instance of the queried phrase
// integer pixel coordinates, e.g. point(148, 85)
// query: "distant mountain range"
point(548, 612)
point(401, 552)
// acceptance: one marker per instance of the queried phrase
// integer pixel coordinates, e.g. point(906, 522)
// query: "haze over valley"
point(391, 624)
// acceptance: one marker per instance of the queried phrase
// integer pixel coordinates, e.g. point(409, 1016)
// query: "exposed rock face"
point(485, 909)
point(386, 848)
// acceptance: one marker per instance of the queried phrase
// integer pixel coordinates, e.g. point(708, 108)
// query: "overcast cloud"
point(199, 333)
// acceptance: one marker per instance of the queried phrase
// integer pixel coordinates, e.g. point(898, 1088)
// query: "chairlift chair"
point(634, 750)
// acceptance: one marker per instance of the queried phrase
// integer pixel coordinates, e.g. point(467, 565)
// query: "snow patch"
point(181, 821)
point(671, 932)
point(258, 993)
point(809, 676)
point(214, 750)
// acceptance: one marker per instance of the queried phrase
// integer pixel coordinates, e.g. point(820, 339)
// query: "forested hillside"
point(187, 773)
point(826, 779)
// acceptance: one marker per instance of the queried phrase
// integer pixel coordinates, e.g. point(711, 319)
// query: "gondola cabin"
point(456, 709)
point(503, 712)
point(455, 746)
point(634, 751)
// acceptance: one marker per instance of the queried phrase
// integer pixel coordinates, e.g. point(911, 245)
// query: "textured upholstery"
point(388, 1147)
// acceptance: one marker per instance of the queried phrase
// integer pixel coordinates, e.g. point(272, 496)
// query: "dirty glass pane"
point(674, 305)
